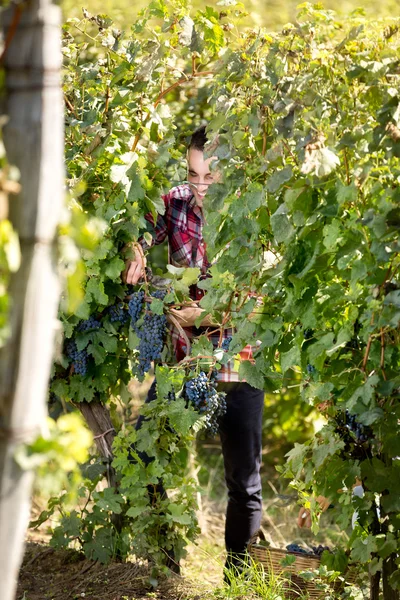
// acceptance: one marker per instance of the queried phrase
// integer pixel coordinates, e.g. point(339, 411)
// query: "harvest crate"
point(271, 559)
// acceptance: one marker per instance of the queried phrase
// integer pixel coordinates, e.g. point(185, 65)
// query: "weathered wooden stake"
point(33, 138)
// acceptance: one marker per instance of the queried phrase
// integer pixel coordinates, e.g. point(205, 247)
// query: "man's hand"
point(304, 516)
point(134, 269)
point(187, 316)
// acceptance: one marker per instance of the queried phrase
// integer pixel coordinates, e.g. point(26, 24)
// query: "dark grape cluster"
point(201, 392)
point(151, 335)
point(151, 330)
point(308, 333)
point(347, 423)
point(90, 323)
point(79, 357)
point(311, 369)
point(118, 314)
point(135, 306)
point(296, 548)
point(160, 294)
point(225, 343)
point(316, 550)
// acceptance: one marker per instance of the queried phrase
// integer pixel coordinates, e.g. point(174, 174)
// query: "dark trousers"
point(240, 433)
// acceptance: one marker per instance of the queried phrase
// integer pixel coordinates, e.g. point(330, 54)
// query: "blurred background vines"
point(305, 124)
point(271, 15)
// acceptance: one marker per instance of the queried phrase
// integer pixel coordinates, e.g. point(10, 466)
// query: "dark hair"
point(198, 139)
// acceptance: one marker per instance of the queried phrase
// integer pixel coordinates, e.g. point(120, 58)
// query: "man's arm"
point(187, 316)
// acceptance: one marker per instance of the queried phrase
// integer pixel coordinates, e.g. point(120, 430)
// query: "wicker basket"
point(294, 585)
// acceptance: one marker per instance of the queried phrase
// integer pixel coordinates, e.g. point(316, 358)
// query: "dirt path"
point(48, 574)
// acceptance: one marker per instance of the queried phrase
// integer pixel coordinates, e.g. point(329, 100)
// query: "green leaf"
point(346, 193)
point(137, 510)
point(114, 268)
point(281, 226)
point(317, 351)
point(100, 546)
point(278, 179)
point(323, 451)
point(95, 290)
point(178, 513)
point(98, 352)
point(363, 548)
point(290, 358)
point(332, 233)
point(249, 372)
point(157, 306)
point(110, 342)
point(365, 393)
point(387, 545)
point(81, 390)
point(181, 418)
point(371, 416)
point(133, 340)
point(108, 500)
point(71, 524)
point(296, 457)
point(393, 298)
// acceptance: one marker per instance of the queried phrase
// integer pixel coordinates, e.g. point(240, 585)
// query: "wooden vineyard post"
point(33, 138)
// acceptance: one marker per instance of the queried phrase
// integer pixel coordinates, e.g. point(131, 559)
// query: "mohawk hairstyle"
point(198, 139)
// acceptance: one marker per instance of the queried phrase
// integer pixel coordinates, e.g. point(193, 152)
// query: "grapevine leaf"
point(114, 268)
point(81, 391)
point(249, 372)
point(157, 306)
point(387, 545)
point(108, 500)
point(363, 548)
point(323, 451)
point(281, 226)
point(365, 393)
point(278, 179)
point(100, 547)
point(98, 352)
point(178, 513)
point(296, 457)
point(290, 358)
point(109, 342)
point(95, 290)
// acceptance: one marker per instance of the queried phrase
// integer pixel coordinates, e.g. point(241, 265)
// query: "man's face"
point(199, 174)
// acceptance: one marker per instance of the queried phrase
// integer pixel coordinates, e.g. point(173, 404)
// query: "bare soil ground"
point(49, 574)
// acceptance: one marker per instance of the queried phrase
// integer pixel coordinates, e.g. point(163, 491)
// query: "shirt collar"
point(196, 209)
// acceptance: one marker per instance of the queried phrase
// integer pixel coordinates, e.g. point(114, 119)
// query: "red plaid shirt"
point(182, 224)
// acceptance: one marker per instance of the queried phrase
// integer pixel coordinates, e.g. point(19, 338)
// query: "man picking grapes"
point(240, 428)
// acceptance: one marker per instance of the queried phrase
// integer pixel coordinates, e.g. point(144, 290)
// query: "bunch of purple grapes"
point(79, 357)
point(316, 550)
point(151, 334)
point(351, 431)
point(118, 313)
point(90, 324)
point(357, 428)
point(201, 392)
point(150, 330)
point(225, 343)
point(296, 548)
point(160, 294)
point(135, 306)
